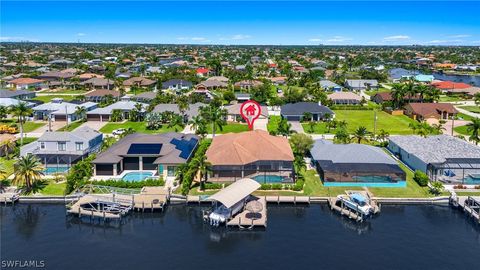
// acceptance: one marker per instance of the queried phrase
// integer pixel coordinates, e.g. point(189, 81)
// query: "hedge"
point(351, 108)
point(149, 182)
point(421, 178)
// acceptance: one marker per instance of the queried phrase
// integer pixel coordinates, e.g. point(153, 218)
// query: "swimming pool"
point(268, 178)
point(471, 180)
point(54, 170)
point(137, 176)
point(373, 179)
point(365, 184)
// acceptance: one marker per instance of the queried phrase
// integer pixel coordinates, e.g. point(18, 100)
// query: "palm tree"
point(81, 111)
point(117, 115)
point(28, 170)
point(398, 93)
point(7, 146)
point(438, 128)
point(216, 116)
point(3, 112)
point(474, 129)
point(202, 167)
point(341, 135)
point(176, 121)
point(361, 133)
point(383, 135)
point(21, 111)
point(284, 128)
point(197, 123)
point(307, 116)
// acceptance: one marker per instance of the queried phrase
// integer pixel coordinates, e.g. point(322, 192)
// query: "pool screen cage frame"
point(465, 165)
point(350, 172)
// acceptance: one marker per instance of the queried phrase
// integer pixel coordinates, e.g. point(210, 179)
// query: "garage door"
point(293, 118)
point(93, 117)
point(60, 117)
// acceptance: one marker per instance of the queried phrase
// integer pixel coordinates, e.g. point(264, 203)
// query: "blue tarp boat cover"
point(358, 197)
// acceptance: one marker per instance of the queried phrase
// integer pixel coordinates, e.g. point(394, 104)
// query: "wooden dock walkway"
point(9, 195)
point(344, 211)
point(246, 219)
point(470, 205)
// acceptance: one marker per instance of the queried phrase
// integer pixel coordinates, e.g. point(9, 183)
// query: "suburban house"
point(26, 83)
point(424, 111)
point(105, 113)
point(99, 83)
point(101, 95)
point(18, 94)
point(158, 153)
point(241, 97)
point(360, 164)
point(7, 102)
point(87, 76)
point(140, 82)
point(146, 97)
point(345, 98)
point(192, 110)
point(330, 86)
point(59, 110)
point(59, 150)
point(359, 85)
point(441, 157)
point(233, 112)
point(56, 76)
point(253, 154)
point(177, 85)
point(248, 84)
point(212, 84)
point(382, 97)
point(203, 72)
point(451, 87)
point(295, 111)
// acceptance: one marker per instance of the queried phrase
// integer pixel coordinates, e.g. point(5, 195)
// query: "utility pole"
point(374, 123)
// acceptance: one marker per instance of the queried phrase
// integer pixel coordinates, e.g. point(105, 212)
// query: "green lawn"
point(138, 127)
point(475, 109)
point(54, 189)
point(446, 98)
point(72, 126)
point(27, 140)
point(229, 128)
point(50, 97)
point(462, 130)
point(380, 90)
point(314, 187)
point(27, 126)
point(392, 124)
point(69, 92)
point(462, 116)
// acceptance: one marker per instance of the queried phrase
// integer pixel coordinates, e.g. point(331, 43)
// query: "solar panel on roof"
point(185, 147)
point(144, 149)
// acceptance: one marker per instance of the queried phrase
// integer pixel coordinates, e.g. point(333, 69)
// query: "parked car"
point(118, 132)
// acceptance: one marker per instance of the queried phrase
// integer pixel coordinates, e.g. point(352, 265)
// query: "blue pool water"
point(470, 180)
point(365, 184)
point(54, 170)
point(268, 178)
point(137, 176)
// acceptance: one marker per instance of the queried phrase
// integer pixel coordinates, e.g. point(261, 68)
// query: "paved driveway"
point(297, 126)
point(260, 124)
point(96, 125)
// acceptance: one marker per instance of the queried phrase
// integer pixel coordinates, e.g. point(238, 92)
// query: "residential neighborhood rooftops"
point(436, 149)
point(15, 93)
point(124, 105)
point(300, 108)
point(431, 109)
point(344, 96)
point(102, 92)
point(139, 81)
point(78, 134)
point(247, 147)
point(450, 85)
point(20, 81)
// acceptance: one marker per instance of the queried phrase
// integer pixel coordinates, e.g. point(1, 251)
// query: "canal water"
point(300, 237)
point(469, 79)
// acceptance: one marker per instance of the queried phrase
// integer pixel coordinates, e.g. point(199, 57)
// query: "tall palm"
point(216, 116)
point(28, 170)
point(81, 111)
point(176, 121)
point(21, 111)
point(202, 167)
point(361, 133)
point(474, 129)
point(383, 135)
point(197, 123)
point(398, 94)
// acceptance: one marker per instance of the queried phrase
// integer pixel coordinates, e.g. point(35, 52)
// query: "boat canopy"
point(358, 197)
point(236, 192)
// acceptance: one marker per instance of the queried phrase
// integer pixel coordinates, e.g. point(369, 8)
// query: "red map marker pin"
point(250, 111)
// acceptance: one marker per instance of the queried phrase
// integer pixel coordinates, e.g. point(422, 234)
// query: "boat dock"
point(470, 205)
point(339, 206)
point(246, 219)
point(9, 196)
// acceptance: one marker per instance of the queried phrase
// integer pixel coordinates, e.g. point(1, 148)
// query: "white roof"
point(236, 192)
point(62, 107)
point(120, 105)
point(11, 101)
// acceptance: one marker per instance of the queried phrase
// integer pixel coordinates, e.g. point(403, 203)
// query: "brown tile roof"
point(344, 96)
point(138, 81)
point(247, 147)
point(431, 109)
point(101, 93)
point(89, 76)
point(25, 81)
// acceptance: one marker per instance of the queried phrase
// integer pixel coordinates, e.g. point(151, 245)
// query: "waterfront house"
point(59, 110)
point(60, 149)
point(253, 154)
point(233, 112)
point(345, 98)
point(355, 163)
point(105, 113)
point(425, 111)
point(295, 111)
point(360, 85)
point(330, 86)
point(441, 157)
point(159, 153)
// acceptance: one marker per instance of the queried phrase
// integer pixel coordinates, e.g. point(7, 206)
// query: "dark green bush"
point(266, 187)
point(212, 186)
point(150, 182)
point(421, 178)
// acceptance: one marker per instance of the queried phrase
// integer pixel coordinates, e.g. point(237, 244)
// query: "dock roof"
point(236, 192)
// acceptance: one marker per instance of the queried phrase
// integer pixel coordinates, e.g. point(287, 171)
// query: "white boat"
point(221, 213)
point(357, 202)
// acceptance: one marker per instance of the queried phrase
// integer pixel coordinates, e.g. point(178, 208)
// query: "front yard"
point(72, 126)
point(138, 127)
point(391, 124)
point(229, 128)
point(27, 126)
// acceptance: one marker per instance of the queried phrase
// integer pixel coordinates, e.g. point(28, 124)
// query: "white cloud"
point(396, 38)
point(194, 39)
point(459, 36)
point(81, 34)
point(337, 39)
point(240, 37)
point(445, 41)
point(315, 40)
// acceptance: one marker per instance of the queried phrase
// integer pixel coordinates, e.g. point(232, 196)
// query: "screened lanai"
point(456, 171)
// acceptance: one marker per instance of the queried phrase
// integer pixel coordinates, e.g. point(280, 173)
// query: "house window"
point(170, 170)
point(42, 145)
point(62, 146)
point(79, 146)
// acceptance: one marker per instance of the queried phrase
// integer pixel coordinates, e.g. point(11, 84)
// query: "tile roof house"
point(18, 94)
point(212, 84)
point(233, 112)
point(159, 153)
point(424, 111)
point(105, 113)
point(295, 111)
point(359, 164)
point(382, 97)
point(59, 110)
point(345, 98)
point(140, 82)
point(26, 83)
point(146, 97)
point(99, 83)
point(62, 148)
point(247, 84)
point(253, 154)
point(193, 109)
point(101, 94)
point(448, 85)
point(358, 85)
point(55, 76)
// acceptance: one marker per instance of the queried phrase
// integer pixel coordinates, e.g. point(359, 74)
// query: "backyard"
point(48, 98)
point(229, 128)
point(389, 123)
point(138, 127)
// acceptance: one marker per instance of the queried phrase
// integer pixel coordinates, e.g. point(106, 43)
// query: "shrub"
point(149, 182)
point(298, 185)
point(190, 170)
point(266, 187)
point(277, 186)
point(212, 186)
point(421, 178)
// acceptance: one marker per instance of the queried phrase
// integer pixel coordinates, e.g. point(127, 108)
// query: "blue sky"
point(248, 22)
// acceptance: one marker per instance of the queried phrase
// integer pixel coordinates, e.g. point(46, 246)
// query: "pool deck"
point(120, 176)
point(245, 220)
